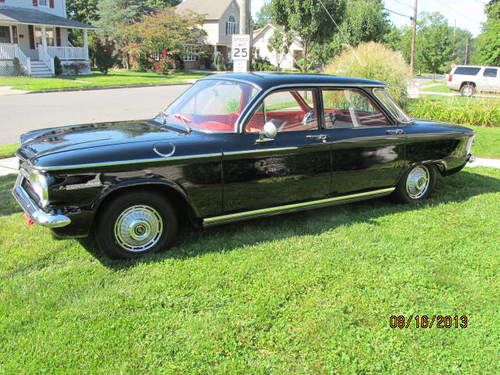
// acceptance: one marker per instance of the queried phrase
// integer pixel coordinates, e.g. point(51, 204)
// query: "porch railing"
point(10, 51)
point(46, 58)
point(68, 53)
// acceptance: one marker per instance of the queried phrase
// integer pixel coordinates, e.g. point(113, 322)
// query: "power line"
point(455, 11)
point(404, 4)
point(399, 14)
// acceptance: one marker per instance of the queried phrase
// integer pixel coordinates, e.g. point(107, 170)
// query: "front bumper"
point(39, 216)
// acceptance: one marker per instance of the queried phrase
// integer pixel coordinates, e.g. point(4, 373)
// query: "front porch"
point(36, 38)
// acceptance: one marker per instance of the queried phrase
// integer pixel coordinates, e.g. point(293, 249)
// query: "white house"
point(36, 31)
point(222, 19)
point(261, 47)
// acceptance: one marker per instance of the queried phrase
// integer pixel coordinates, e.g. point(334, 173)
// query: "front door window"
point(50, 36)
point(4, 34)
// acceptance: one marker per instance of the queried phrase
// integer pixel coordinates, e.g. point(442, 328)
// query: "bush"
point(463, 111)
point(219, 61)
point(375, 61)
point(143, 63)
point(105, 57)
point(260, 64)
point(179, 62)
point(58, 69)
point(18, 70)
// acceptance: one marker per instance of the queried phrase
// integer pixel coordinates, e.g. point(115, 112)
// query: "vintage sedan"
point(232, 147)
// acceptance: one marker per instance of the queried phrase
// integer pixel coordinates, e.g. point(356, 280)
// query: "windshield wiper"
point(164, 115)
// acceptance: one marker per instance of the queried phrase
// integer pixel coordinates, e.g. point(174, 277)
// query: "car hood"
point(111, 143)
point(69, 138)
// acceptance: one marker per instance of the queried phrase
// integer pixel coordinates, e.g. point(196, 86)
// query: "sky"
point(468, 14)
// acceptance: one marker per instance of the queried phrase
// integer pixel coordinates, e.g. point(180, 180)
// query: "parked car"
point(232, 147)
point(471, 79)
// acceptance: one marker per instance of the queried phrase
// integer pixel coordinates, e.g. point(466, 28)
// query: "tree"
point(116, 14)
point(263, 16)
point(165, 30)
point(279, 43)
point(487, 46)
point(104, 54)
point(363, 21)
point(309, 20)
point(162, 4)
point(82, 10)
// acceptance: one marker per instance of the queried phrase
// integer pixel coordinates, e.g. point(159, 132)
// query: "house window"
point(50, 36)
point(190, 54)
point(231, 26)
point(4, 34)
point(43, 3)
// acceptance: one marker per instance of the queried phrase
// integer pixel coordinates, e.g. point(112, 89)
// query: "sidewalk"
point(9, 166)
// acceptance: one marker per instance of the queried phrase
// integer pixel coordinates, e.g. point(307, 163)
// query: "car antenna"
point(342, 34)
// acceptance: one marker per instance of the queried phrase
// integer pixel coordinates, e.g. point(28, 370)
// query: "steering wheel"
point(308, 117)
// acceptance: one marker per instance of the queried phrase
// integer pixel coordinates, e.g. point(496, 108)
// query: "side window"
point(349, 108)
point(490, 72)
point(289, 110)
point(467, 70)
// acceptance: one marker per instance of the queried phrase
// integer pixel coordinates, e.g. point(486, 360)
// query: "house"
point(222, 18)
point(261, 47)
point(36, 31)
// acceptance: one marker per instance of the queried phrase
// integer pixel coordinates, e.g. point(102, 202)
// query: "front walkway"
point(9, 166)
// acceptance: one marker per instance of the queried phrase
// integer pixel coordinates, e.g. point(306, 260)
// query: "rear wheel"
point(468, 89)
point(416, 184)
point(135, 224)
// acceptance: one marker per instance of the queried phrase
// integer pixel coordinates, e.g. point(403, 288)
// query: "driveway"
point(20, 113)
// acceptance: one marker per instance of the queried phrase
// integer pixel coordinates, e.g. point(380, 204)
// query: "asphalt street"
point(21, 113)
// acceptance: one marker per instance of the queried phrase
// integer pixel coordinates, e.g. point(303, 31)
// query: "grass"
point(487, 142)
point(97, 79)
point(8, 150)
point(441, 88)
point(304, 293)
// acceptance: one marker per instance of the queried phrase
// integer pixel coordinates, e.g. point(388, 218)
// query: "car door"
point(367, 149)
point(293, 166)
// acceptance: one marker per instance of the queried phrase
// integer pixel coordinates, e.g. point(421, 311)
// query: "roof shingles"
point(37, 17)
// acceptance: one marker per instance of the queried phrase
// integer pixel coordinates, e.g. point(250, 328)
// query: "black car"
point(232, 147)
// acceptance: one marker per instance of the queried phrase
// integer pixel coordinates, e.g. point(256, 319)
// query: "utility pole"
point(245, 22)
point(466, 51)
point(414, 38)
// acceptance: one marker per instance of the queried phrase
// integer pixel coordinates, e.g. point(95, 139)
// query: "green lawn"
point(304, 293)
point(442, 88)
point(487, 142)
point(97, 79)
point(8, 150)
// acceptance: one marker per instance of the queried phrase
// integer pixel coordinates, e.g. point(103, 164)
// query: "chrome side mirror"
point(270, 130)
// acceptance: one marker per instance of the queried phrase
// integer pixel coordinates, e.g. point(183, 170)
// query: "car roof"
point(266, 80)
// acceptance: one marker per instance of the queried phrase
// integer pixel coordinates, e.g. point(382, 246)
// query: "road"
point(20, 113)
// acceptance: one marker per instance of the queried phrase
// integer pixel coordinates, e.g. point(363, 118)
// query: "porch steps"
point(40, 70)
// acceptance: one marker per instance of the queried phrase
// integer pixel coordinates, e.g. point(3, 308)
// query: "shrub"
point(463, 111)
point(219, 61)
point(260, 64)
point(105, 57)
point(18, 70)
point(143, 63)
point(58, 69)
point(179, 62)
point(375, 61)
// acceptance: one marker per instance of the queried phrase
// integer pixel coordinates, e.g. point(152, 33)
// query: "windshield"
point(391, 105)
point(211, 106)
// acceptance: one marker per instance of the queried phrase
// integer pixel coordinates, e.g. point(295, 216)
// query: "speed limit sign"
point(240, 52)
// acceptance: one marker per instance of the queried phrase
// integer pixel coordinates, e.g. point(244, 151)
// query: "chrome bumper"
point(36, 213)
point(471, 158)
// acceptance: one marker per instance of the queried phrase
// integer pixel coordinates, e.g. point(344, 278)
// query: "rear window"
point(490, 72)
point(467, 70)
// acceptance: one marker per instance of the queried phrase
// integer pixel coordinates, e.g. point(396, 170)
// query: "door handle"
point(320, 137)
point(395, 131)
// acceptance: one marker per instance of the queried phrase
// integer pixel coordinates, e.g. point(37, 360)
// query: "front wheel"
point(468, 90)
point(135, 224)
point(416, 184)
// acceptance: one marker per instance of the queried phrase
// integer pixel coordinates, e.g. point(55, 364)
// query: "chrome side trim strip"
point(294, 207)
point(230, 153)
point(125, 162)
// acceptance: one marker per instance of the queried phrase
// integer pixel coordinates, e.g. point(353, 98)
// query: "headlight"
point(470, 143)
point(40, 185)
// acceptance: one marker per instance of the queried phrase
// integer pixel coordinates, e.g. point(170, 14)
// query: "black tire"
point(408, 190)
point(143, 213)
point(467, 89)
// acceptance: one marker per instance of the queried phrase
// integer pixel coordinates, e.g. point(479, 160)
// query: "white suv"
point(469, 79)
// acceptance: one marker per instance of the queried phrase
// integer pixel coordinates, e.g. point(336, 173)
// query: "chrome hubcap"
point(417, 182)
point(138, 228)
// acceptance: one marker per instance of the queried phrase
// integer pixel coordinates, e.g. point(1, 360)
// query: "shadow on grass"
point(8, 205)
point(192, 243)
